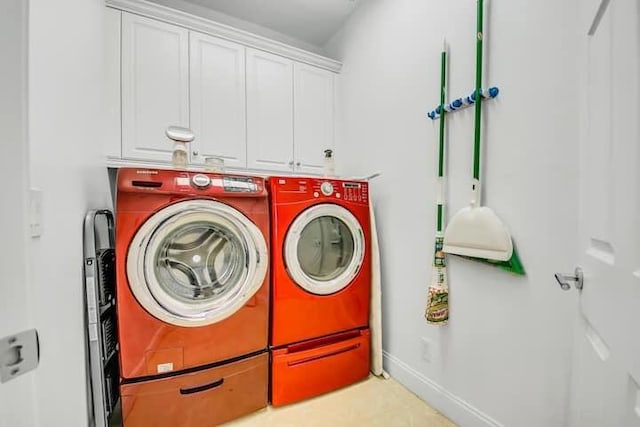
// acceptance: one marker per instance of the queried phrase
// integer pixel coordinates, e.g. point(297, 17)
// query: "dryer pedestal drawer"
point(198, 399)
point(302, 371)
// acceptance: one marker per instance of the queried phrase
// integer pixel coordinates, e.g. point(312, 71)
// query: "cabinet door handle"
point(298, 164)
point(291, 163)
point(195, 153)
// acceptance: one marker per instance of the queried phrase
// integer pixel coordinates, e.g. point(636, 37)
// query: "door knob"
point(564, 279)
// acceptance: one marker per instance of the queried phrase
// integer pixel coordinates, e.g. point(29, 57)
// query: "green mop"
point(476, 231)
point(437, 311)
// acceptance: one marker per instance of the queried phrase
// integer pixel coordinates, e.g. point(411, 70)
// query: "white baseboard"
point(454, 408)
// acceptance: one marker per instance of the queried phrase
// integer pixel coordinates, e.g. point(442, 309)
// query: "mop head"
point(438, 298)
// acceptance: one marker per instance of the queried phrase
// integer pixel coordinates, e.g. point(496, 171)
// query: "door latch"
point(564, 279)
point(19, 354)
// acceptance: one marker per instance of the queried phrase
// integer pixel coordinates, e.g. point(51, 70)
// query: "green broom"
point(437, 311)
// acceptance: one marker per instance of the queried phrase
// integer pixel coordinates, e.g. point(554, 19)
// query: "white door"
point(324, 249)
point(155, 86)
point(269, 111)
point(605, 388)
point(217, 100)
point(17, 398)
point(313, 117)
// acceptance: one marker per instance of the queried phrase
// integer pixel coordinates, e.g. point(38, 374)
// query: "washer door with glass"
point(324, 249)
point(196, 262)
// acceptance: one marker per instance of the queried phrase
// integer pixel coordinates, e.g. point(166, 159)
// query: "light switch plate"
point(19, 354)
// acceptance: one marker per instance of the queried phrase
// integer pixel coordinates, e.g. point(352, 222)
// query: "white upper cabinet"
point(255, 109)
point(313, 117)
point(218, 100)
point(113, 148)
point(269, 111)
point(155, 86)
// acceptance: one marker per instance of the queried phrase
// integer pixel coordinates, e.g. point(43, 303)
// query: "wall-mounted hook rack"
point(461, 103)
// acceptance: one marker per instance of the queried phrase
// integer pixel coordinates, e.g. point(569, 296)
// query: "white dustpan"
point(476, 231)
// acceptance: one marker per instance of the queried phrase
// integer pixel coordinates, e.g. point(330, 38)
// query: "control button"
point(326, 188)
point(315, 194)
point(201, 181)
point(338, 195)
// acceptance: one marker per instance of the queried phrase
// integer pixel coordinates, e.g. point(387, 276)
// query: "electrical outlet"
point(35, 212)
point(426, 349)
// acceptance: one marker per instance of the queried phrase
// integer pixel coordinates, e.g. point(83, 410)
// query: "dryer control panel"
point(355, 191)
point(292, 189)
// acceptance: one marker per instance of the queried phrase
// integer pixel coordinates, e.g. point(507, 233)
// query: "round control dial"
point(326, 188)
point(201, 181)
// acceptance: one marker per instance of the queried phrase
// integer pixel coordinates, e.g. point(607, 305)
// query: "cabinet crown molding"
point(203, 25)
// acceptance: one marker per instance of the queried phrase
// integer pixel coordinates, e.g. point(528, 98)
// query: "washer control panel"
point(229, 184)
point(164, 181)
point(239, 184)
point(200, 180)
point(327, 188)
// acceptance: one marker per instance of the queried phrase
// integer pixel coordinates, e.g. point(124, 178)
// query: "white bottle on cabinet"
point(180, 137)
point(329, 165)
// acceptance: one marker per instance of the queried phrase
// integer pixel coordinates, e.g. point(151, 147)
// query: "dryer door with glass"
point(324, 249)
point(196, 262)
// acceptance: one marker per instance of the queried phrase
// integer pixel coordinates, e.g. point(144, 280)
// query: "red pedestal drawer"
point(311, 368)
point(198, 399)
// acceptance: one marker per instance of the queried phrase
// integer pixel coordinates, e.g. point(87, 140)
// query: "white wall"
point(223, 18)
point(503, 359)
point(66, 110)
point(16, 396)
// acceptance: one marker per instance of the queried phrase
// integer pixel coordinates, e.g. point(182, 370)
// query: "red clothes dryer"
point(192, 286)
point(321, 284)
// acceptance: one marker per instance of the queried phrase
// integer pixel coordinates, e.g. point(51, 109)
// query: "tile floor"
point(373, 402)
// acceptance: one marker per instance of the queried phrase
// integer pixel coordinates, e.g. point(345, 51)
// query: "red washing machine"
point(192, 296)
point(321, 285)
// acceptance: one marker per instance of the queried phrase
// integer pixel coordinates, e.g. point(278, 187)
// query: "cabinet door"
point(313, 117)
point(155, 86)
point(112, 139)
point(217, 100)
point(269, 111)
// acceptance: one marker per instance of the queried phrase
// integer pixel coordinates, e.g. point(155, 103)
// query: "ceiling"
point(311, 21)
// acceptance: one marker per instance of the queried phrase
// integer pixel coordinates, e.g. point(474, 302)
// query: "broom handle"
point(478, 103)
point(443, 67)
